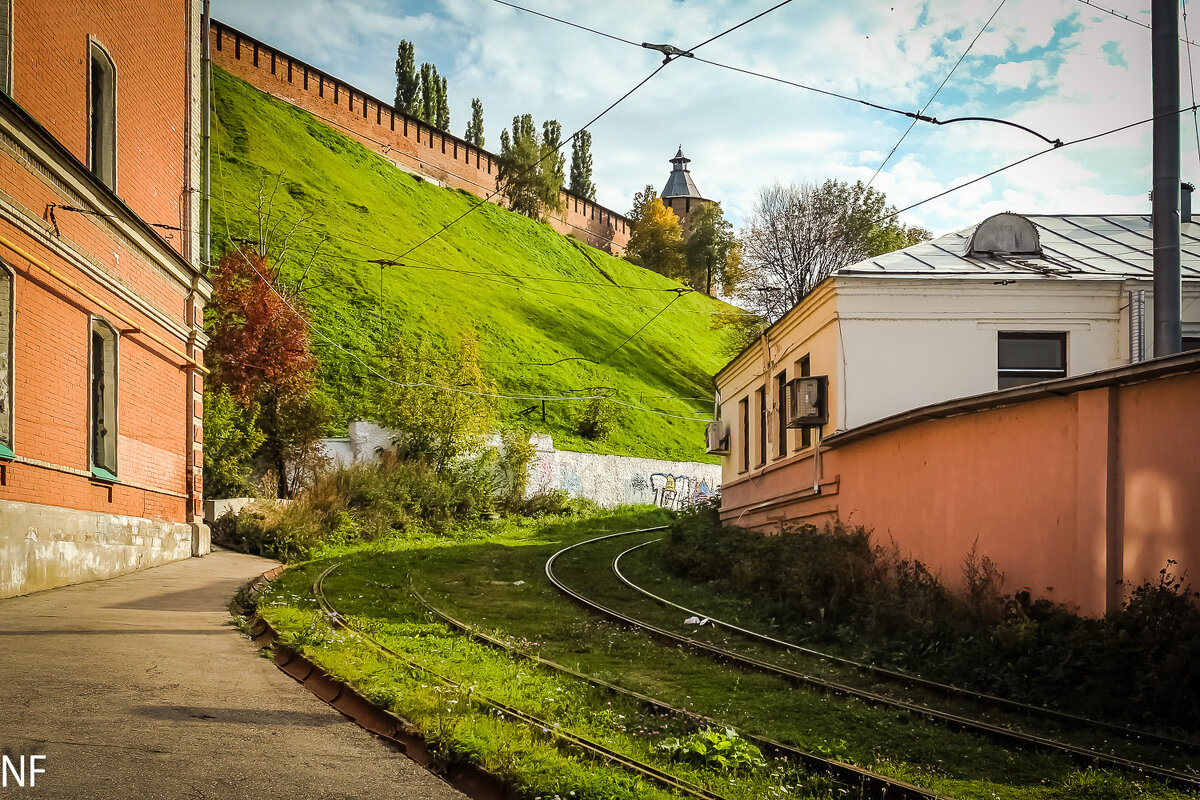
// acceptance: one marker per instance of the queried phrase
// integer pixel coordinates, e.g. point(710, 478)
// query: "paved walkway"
point(139, 687)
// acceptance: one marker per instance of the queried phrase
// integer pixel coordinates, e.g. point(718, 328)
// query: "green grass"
point(493, 578)
point(564, 306)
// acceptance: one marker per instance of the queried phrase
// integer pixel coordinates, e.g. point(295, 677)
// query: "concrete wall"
point(43, 546)
point(603, 479)
point(1071, 488)
point(408, 143)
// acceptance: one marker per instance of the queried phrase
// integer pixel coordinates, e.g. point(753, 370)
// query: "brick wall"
point(50, 80)
point(407, 142)
point(108, 257)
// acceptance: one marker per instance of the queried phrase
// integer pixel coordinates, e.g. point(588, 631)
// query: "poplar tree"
point(474, 133)
point(430, 87)
point(552, 166)
point(581, 166)
point(408, 85)
point(443, 106)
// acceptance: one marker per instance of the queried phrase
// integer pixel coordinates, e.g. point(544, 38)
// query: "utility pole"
point(1164, 49)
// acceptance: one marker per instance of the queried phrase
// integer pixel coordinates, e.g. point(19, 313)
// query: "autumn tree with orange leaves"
point(260, 354)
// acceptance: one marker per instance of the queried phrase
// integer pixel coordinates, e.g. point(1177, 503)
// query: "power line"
point(1128, 18)
point(1191, 81)
point(567, 22)
point(1030, 157)
point(740, 24)
point(933, 97)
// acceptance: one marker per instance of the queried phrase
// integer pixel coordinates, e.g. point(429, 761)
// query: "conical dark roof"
point(680, 183)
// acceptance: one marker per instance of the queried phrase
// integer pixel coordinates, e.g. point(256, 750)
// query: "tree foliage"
point(712, 251)
point(581, 166)
point(474, 133)
point(431, 88)
point(231, 438)
point(529, 172)
point(443, 107)
point(657, 239)
point(798, 234)
point(259, 354)
point(432, 424)
point(408, 84)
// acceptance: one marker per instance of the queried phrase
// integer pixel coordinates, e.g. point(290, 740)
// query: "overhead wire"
point(933, 97)
point(1128, 18)
point(1191, 81)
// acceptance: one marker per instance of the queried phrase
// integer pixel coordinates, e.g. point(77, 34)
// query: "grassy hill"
point(541, 296)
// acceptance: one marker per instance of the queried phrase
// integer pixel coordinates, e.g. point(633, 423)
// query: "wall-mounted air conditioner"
point(808, 402)
point(717, 438)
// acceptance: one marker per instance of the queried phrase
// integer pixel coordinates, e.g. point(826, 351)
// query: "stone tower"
point(680, 194)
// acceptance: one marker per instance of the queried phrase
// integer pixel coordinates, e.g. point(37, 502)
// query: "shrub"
point(596, 419)
point(714, 749)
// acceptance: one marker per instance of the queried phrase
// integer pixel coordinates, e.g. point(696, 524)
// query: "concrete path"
point(138, 686)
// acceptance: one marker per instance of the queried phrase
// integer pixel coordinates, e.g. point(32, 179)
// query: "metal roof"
point(680, 183)
point(1117, 246)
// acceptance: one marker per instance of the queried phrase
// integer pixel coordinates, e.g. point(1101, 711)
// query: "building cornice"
point(68, 176)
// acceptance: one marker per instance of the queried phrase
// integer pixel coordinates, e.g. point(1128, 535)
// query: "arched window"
point(7, 311)
point(102, 400)
point(102, 114)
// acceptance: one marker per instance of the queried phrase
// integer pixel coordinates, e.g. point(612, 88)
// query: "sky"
point(1064, 68)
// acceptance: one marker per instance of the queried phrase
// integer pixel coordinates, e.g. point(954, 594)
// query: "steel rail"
point(881, 786)
point(577, 741)
point(1086, 755)
point(945, 688)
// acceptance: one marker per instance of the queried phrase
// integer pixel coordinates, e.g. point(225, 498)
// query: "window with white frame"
point(1029, 357)
point(102, 114)
point(102, 402)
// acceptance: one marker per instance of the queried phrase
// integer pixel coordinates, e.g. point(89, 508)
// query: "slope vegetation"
point(552, 316)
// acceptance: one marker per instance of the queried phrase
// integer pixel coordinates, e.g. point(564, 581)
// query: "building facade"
point(966, 323)
point(101, 295)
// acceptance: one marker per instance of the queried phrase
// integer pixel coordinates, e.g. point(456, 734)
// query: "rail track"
point(547, 727)
point(998, 732)
point(912, 680)
point(867, 783)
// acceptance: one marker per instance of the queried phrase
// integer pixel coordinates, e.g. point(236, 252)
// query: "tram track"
point(868, 784)
point(957, 721)
point(884, 673)
point(546, 727)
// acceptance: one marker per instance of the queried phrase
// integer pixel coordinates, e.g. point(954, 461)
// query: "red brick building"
point(101, 298)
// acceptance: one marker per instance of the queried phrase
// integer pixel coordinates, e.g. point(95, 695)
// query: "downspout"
point(206, 142)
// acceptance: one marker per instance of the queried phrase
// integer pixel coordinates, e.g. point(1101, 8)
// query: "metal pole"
point(206, 133)
point(1164, 44)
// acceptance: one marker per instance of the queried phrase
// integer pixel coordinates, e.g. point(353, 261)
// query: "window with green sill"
point(6, 352)
point(102, 401)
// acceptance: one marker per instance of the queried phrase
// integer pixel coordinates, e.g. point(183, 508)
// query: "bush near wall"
point(837, 585)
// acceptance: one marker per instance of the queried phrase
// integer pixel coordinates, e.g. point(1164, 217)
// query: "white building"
point(1013, 300)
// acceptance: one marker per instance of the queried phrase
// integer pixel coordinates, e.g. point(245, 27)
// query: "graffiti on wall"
point(678, 491)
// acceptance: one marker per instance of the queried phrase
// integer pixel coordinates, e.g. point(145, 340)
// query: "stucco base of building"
point(42, 546)
point(201, 539)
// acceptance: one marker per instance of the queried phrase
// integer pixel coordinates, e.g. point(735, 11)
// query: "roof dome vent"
point(1005, 234)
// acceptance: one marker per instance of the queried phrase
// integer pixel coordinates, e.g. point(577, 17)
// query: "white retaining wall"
point(605, 480)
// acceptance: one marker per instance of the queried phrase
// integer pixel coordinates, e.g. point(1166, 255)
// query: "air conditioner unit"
point(717, 438)
point(808, 402)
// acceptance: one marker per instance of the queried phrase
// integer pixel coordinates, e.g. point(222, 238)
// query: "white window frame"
point(103, 465)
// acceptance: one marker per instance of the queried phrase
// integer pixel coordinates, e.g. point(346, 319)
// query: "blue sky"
point(1060, 67)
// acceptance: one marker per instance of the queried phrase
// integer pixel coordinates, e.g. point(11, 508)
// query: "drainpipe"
point(206, 142)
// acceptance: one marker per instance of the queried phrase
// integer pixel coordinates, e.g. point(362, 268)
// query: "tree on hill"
point(443, 107)
point(528, 172)
point(581, 166)
point(408, 84)
point(474, 133)
point(431, 86)
point(797, 235)
point(712, 251)
point(432, 424)
point(640, 201)
point(657, 241)
point(260, 356)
